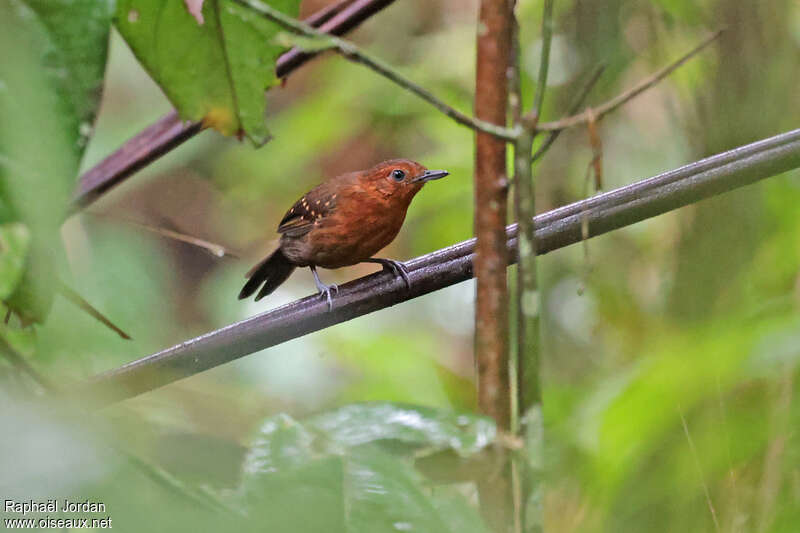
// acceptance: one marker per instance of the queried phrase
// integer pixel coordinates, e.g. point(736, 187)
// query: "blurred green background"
point(671, 348)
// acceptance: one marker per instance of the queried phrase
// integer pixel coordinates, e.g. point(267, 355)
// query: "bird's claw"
point(325, 294)
point(324, 290)
point(398, 269)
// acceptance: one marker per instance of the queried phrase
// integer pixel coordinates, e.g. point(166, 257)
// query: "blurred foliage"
point(72, 42)
point(341, 465)
point(671, 349)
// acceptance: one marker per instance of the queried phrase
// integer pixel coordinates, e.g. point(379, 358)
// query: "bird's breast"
point(355, 231)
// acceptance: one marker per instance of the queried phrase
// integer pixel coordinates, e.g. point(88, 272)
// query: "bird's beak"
point(429, 175)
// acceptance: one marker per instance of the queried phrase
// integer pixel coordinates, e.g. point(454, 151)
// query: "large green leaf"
point(305, 498)
point(337, 463)
point(50, 90)
point(385, 494)
point(281, 443)
point(48, 87)
point(216, 70)
point(365, 490)
point(417, 426)
point(74, 56)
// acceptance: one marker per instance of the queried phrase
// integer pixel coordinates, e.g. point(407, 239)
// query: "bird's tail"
point(270, 272)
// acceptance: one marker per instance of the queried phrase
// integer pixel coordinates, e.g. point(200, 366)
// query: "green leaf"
point(363, 490)
point(76, 33)
point(215, 72)
point(14, 243)
point(49, 93)
point(39, 131)
point(281, 443)
point(33, 296)
point(336, 462)
point(386, 494)
point(307, 498)
point(420, 427)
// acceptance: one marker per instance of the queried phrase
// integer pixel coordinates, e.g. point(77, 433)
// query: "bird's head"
point(399, 179)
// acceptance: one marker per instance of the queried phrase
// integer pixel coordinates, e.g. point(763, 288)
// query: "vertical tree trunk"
point(491, 191)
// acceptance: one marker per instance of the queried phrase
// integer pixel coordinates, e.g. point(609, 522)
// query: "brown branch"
point(166, 134)
point(491, 189)
point(321, 16)
point(621, 99)
point(169, 131)
point(491, 254)
point(491, 192)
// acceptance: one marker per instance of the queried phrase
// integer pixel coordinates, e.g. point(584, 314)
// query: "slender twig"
point(528, 390)
point(571, 110)
point(348, 17)
point(77, 300)
point(169, 131)
point(217, 250)
point(621, 99)
point(351, 52)
point(699, 467)
point(515, 105)
point(519, 485)
point(527, 296)
point(544, 62)
point(555, 229)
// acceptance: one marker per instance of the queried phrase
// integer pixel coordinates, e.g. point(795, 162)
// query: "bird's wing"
point(316, 204)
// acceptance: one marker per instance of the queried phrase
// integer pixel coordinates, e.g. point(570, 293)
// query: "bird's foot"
point(325, 293)
point(324, 290)
point(397, 268)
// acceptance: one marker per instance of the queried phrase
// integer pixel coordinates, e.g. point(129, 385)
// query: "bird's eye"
point(398, 175)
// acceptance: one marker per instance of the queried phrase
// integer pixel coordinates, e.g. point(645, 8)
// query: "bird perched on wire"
point(341, 222)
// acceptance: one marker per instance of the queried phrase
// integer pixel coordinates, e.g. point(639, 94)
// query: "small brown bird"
point(343, 221)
